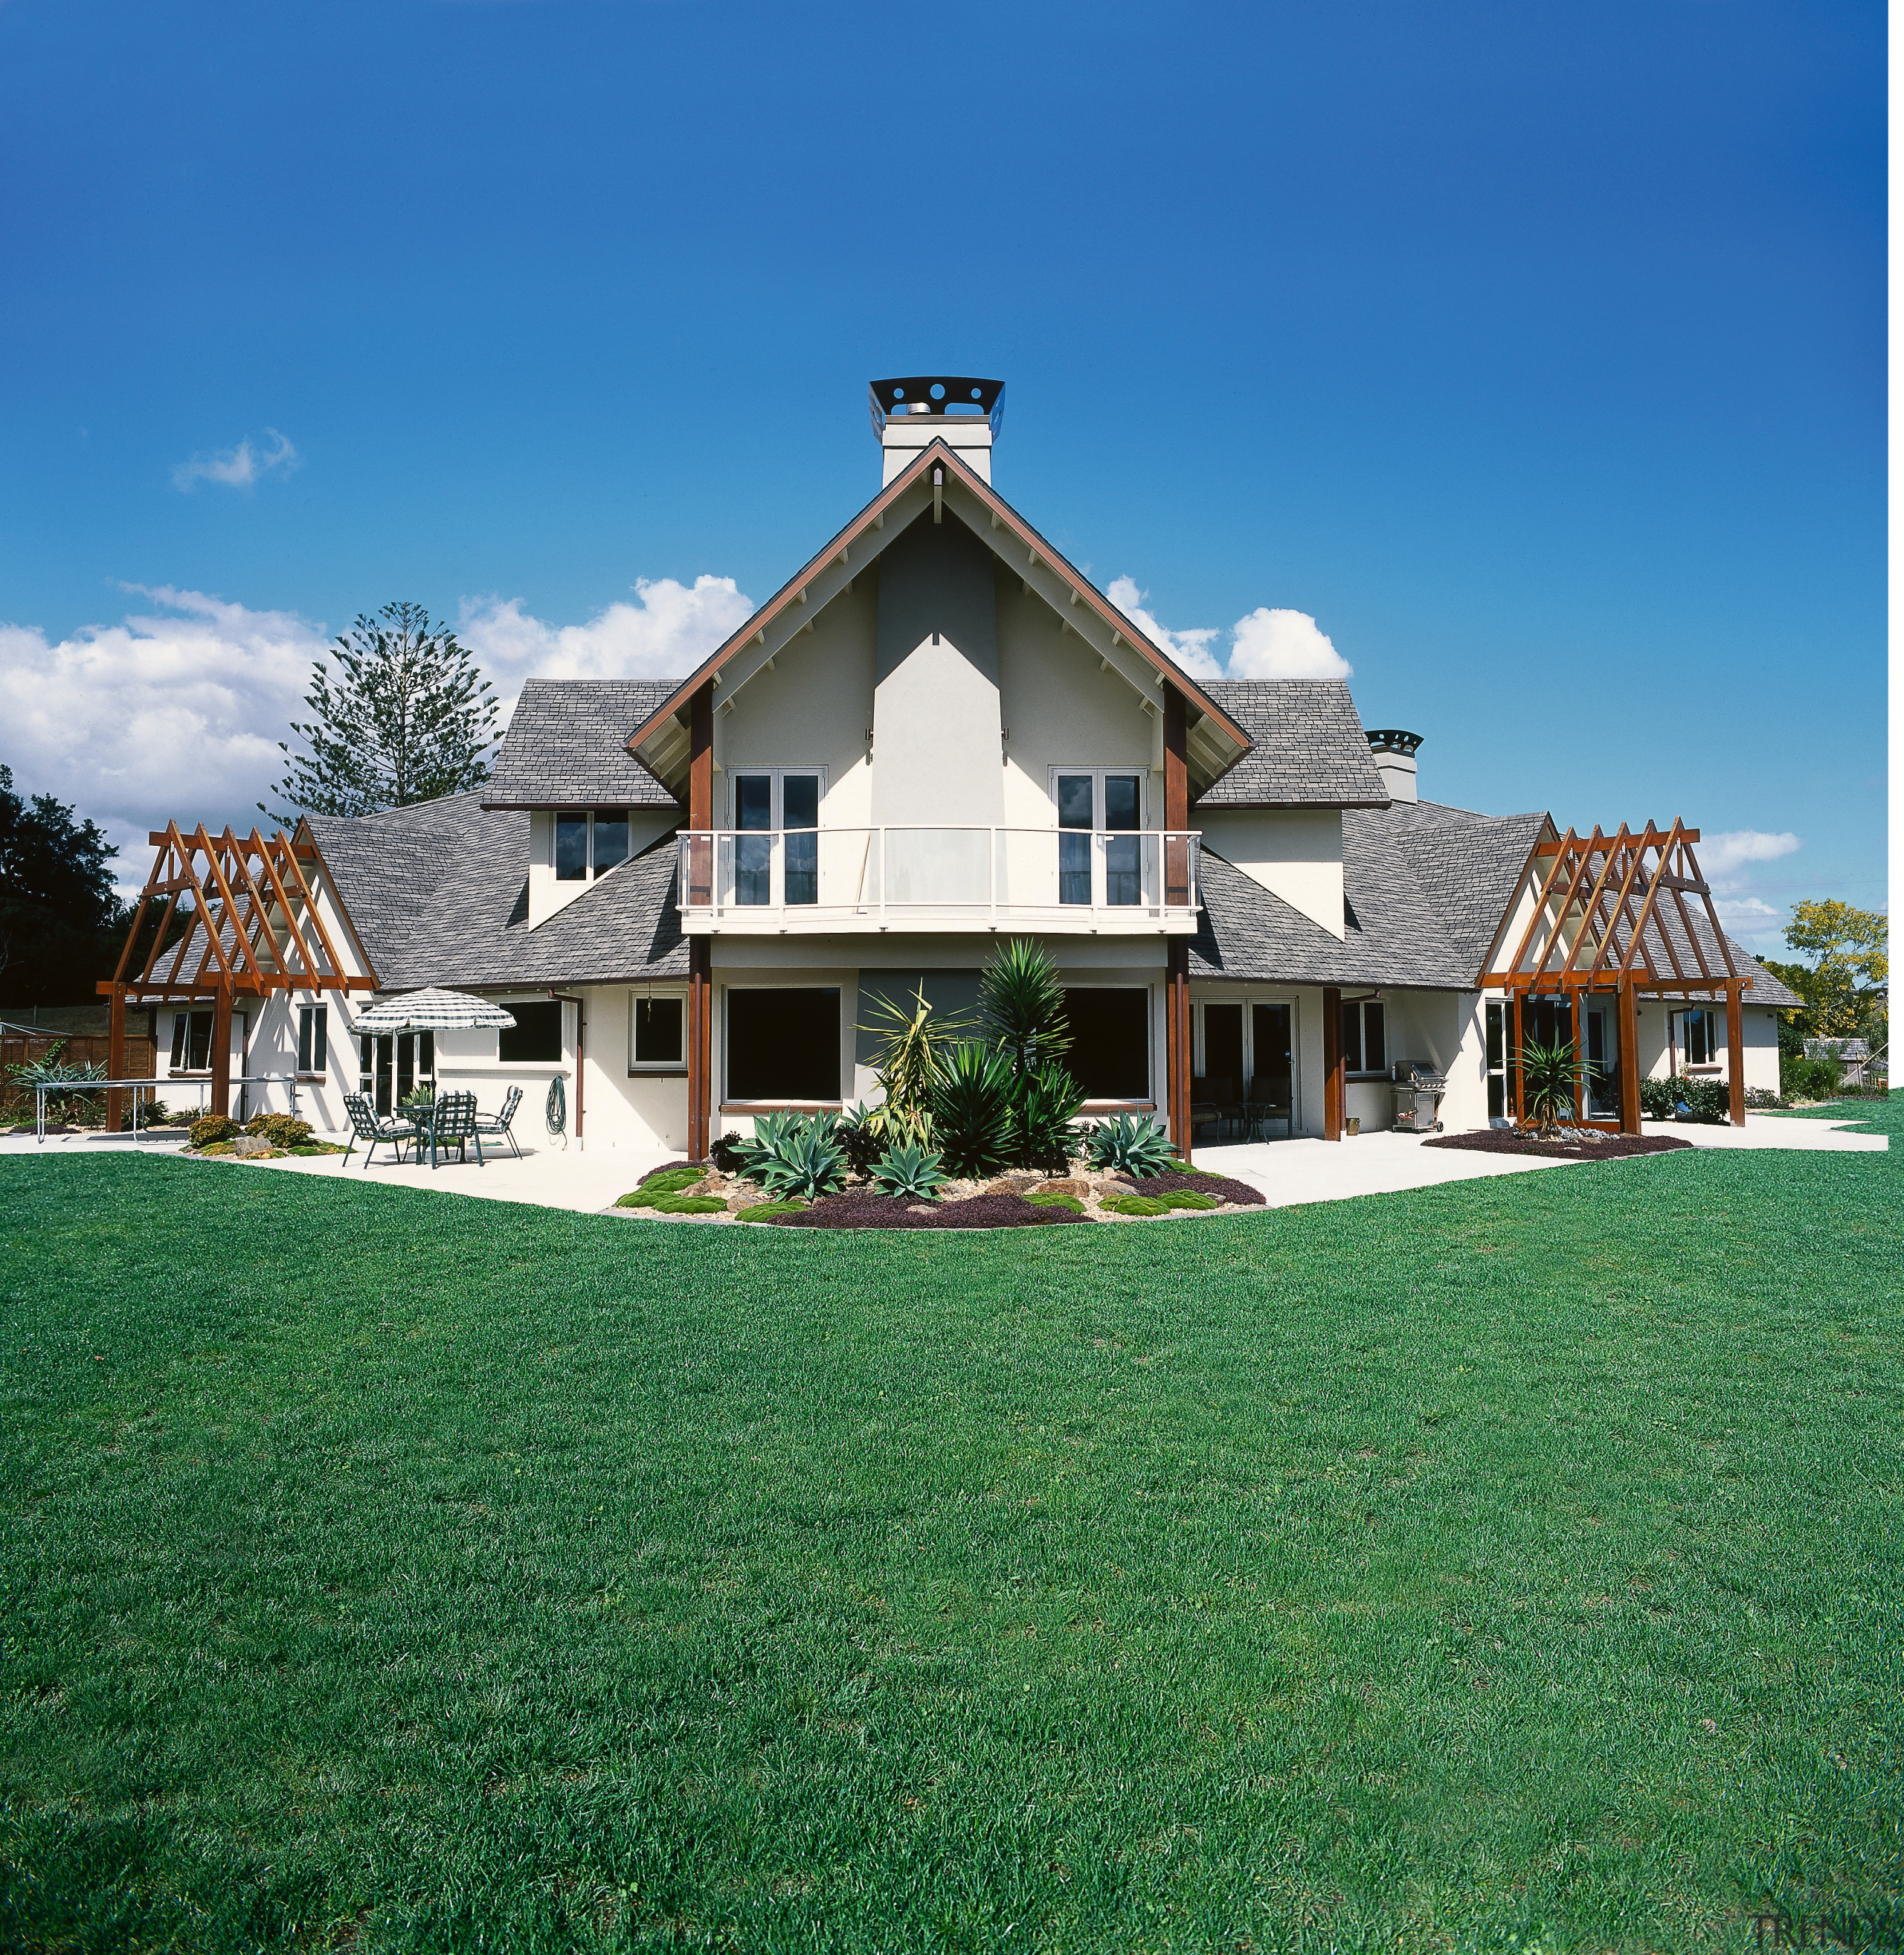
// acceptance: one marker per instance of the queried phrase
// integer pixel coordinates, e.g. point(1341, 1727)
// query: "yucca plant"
point(973, 1113)
point(1021, 1006)
point(1047, 1102)
point(1549, 1081)
point(914, 1173)
point(909, 1055)
point(1129, 1145)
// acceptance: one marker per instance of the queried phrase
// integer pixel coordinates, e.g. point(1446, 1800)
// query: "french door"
point(1100, 850)
point(391, 1065)
point(781, 806)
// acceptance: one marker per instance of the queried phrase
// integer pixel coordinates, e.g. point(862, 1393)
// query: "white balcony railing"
point(937, 878)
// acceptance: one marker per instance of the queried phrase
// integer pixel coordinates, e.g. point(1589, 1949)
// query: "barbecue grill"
point(1418, 1097)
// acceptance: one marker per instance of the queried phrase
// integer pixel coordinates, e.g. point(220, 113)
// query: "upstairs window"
point(1093, 802)
point(590, 844)
point(1365, 1037)
point(776, 820)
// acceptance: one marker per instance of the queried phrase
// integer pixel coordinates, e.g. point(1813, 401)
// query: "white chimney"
point(1395, 752)
point(963, 412)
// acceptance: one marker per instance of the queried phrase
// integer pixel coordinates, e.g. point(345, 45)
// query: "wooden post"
point(701, 949)
point(1514, 1061)
point(221, 1052)
point(1629, 1059)
point(1176, 801)
point(116, 1054)
point(1177, 1053)
point(1333, 1081)
point(1736, 1052)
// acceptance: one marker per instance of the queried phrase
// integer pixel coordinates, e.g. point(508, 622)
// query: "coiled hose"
point(555, 1113)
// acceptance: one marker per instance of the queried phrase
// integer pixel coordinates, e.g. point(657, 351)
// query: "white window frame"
point(660, 1068)
point(777, 825)
point(1684, 1064)
point(317, 1019)
point(590, 872)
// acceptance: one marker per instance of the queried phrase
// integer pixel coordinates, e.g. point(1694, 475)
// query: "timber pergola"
point(1612, 916)
point(253, 925)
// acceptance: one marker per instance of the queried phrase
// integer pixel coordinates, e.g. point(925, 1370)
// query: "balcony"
point(1056, 881)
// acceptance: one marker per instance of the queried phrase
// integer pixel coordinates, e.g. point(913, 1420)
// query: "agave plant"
point(1549, 1077)
point(1047, 1102)
point(1021, 1006)
point(805, 1160)
point(1128, 1145)
point(912, 1173)
point(771, 1132)
point(973, 1114)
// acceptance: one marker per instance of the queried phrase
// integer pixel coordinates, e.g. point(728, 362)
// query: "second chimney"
point(963, 413)
point(1395, 752)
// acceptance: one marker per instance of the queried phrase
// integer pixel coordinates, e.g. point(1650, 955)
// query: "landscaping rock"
point(1076, 1185)
point(252, 1144)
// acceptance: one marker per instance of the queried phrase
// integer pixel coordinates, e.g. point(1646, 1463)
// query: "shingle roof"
point(439, 896)
point(567, 747)
point(1308, 748)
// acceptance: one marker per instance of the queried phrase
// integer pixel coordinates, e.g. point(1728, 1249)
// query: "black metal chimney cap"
point(938, 394)
point(1393, 740)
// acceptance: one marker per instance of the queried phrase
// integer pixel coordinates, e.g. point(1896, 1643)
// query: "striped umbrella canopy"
point(434, 1010)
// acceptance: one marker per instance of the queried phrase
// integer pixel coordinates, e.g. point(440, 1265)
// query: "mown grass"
point(1507, 1563)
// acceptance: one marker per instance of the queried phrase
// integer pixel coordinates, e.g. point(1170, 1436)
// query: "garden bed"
point(1569, 1143)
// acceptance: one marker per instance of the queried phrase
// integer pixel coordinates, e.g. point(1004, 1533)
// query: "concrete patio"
point(1288, 1173)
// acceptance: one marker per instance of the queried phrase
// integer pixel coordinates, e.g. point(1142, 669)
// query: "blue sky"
point(1536, 355)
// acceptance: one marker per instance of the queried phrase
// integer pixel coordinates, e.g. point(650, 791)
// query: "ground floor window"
point(1702, 1034)
point(394, 1065)
point(535, 1038)
point(657, 1031)
point(1364, 1036)
point(1110, 1041)
point(313, 1036)
point(1496, 1060)
point(191, 1041)
point(782, 1045)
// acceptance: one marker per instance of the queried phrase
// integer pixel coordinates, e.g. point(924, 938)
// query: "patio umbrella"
point(434, 1010)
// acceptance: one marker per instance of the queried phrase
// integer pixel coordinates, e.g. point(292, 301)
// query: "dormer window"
point(590, 844)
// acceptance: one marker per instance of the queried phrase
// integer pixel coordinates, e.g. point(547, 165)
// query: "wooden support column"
point(1177, 1053)
point(116, 1054)
point(1736, 1052)
point(221, 1052)
point(1629, 1060)
point(1334, 1079)
point(701, 949)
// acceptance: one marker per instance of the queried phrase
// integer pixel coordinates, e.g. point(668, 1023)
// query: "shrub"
point(1130, 1145)
point(973, 1116)
point(729, 1153)
point(912, 1173)
point(1135, 1204)
point(863, 1137)
point(1759, 1100)
point(213, 1127)
point(1548, 1082)
point(1021, 1005)
point(909, 1056)
point(1707, 1100)
point(1810, 1079)
point(1044, 1134)
point(280, 1129)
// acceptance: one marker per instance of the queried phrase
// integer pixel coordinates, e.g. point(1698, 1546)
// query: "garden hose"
point(555, 1112)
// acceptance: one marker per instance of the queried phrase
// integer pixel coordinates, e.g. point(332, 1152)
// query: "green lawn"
point(1514, 1564)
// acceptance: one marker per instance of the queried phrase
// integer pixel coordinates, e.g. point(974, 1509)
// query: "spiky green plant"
point(1021, 1006)
point(972, 1109)
point(909, 1055)
point(912, 1173)
point(1129, 1145)
point(1047, 1102)
point(806, 1160)
point(1549, 1081)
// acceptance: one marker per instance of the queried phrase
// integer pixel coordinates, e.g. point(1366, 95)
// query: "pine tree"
point(405, 717)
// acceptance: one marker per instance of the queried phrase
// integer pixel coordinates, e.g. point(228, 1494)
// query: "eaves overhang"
point(660, 743)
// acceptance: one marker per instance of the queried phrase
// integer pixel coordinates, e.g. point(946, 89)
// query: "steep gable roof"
point(1306, 747)
point(1216, 743)
point(567, 747)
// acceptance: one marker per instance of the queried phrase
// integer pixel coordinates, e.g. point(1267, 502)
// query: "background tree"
point(61, 922)
point(406, 716)
point(1846, 987)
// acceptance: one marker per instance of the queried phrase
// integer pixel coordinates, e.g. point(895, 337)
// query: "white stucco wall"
point(1294, 851)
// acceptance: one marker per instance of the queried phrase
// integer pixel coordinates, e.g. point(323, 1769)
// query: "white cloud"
point(238, 468)
point(1191, 649)
point(1268, 644)
point(1271, 644)
point(1723, 857)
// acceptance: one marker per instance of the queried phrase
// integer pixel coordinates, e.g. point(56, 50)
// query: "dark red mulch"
point(864, 1210)
point(1569, 1146)
point(1220, 1185)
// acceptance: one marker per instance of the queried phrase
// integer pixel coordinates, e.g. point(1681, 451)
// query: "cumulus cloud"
point(666, 632)
point(178, 711)
point(1191, 649)
point(239, 468)
point(1269, 644)
point(1724, 857)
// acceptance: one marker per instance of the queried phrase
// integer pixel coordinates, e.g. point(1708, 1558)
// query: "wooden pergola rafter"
point(1611, 915)
point(252, 925)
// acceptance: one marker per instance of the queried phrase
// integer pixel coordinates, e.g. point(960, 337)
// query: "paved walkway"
point(1287, 1172)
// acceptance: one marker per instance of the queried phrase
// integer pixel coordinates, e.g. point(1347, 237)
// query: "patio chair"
point(453, 1125)
point(495, 1124)
point(365, 1126)
point(1216, 1102)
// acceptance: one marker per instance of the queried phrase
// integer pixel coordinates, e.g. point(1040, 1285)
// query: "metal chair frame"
point(498, 1124)
point(453, 1124)
point(367, 1127)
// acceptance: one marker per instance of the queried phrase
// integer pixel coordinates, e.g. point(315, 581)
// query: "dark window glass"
point(1120, 800)
point(799, 801)
point(536, 1038)
point(753, 848)
point(754, 800)
point(782, 1045)
point(1269, 1030)
point(1374, 1040)
point(571, 848)
point(1223, 1050)
point(192, 1041)
point(1497, 1096)
point(1497, 1037)
point(658, 1031)
point(1110, 1043)
point(1352, 1038)
point(1074, 815)
point(611, 838)
point(313, 1036)
point(1075, 801)
point(800, 809)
